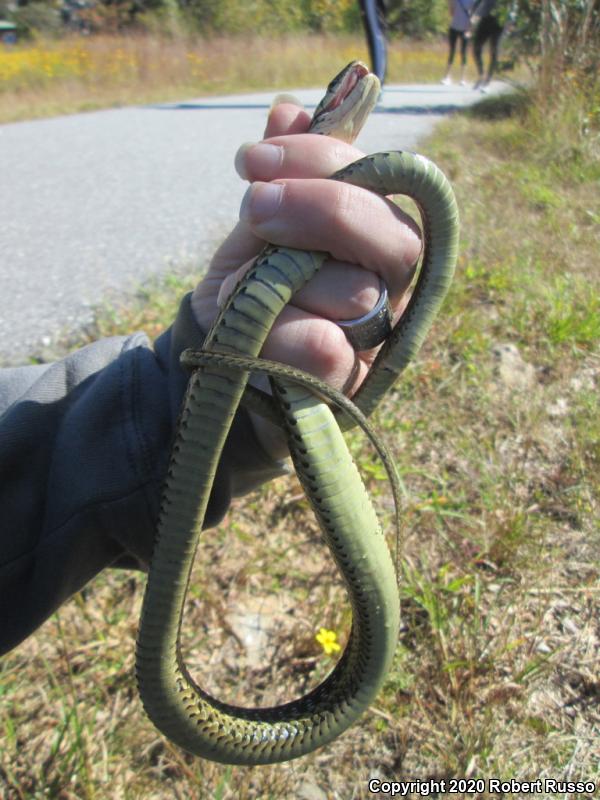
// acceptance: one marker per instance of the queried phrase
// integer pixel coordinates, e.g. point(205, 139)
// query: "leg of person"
point(381, 10)
point(373, 17)
point(479, 39)
point(494, 36)
point(452, 37)
point(464, 42)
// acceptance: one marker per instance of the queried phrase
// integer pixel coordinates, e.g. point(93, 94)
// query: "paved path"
point(98, 202)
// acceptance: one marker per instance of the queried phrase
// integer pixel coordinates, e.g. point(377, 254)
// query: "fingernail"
point(266, 160)
point(284, 97)
point(261, 202)
point(240, 159)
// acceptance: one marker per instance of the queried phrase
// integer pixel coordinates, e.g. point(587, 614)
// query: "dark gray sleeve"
point(84, 446)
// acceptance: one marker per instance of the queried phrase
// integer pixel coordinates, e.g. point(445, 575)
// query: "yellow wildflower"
point(327, 640)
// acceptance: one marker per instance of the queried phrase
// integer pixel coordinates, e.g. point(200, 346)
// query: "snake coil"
point(198, 722)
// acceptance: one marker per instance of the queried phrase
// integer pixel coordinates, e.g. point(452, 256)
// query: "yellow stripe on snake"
point(185, 713)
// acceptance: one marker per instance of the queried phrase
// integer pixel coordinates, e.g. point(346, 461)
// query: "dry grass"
point(497, 670)
point(80, 74)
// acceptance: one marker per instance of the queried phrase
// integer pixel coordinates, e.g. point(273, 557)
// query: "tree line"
point(414, 18)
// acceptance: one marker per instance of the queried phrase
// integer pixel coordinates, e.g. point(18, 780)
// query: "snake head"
point(348, 101)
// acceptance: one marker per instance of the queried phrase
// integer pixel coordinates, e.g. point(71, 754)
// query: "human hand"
point(289, 203)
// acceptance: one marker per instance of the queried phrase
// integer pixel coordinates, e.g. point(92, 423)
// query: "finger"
point(286, 117)
point(293, 157)
point(350, 223)
point(339, 291)
point(242, 244)
point(314, 345)
point(289, 156)
point(322, 296)
point(231, 281)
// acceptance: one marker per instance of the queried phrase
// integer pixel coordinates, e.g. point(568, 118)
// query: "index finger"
point(286, 117)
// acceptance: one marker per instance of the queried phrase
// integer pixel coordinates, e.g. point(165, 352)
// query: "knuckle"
point(328, 351)
point(343, 208)
point(412, 246)
point(363, 293)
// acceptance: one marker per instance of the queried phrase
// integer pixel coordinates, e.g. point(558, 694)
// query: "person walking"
point(460, 29)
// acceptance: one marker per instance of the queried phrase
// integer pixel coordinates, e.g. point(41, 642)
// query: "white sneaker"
point(446, 81)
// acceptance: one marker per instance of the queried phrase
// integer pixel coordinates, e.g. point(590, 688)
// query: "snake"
point(313, 417)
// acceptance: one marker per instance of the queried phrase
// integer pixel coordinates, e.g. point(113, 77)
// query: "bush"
point(266, 17)
point(37, 17)
point(560, 40)
point(418, 19)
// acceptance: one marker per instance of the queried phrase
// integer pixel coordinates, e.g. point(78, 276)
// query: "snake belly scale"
point(183, 711)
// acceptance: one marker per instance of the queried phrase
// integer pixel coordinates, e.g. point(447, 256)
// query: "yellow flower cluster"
point(28, 66)
point(196, 64)
point(91, 63)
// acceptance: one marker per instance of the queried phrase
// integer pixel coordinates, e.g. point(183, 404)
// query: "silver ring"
point(372, 328)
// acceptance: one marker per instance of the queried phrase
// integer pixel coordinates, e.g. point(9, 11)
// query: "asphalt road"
point(95, 203)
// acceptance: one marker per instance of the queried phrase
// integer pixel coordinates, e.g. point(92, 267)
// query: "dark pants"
point(488, 29)
point(373, 17)
point(453, 37)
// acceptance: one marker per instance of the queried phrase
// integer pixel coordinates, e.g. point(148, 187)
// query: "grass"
point(79, 74)
point(496, 433)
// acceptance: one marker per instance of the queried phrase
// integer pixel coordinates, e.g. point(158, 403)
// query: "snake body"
point(198, 722)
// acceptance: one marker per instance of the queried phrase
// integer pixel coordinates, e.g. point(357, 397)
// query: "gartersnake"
point(184, 712)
